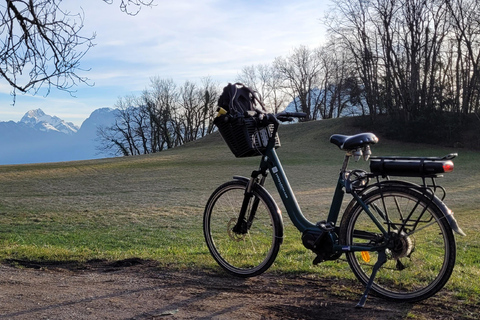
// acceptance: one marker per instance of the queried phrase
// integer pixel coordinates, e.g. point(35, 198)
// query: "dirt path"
point(136, 289)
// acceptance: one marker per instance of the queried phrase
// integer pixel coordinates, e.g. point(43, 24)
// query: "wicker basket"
point(244, 137)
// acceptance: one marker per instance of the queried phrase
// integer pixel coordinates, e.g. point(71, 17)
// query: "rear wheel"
point(421, 250)
point(252, 248)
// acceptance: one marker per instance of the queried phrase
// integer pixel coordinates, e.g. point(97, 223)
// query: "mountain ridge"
point(37, 119)
point(39, 137)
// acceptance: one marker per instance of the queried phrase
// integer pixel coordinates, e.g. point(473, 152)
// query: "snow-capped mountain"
point(37, 119)
point(39, 137)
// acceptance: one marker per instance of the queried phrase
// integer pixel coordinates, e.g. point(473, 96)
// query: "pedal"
point(325, 225)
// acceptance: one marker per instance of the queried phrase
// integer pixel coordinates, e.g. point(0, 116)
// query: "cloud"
point(181, 40)
point(187, 34)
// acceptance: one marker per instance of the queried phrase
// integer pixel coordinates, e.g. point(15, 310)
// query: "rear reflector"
point(448, 166)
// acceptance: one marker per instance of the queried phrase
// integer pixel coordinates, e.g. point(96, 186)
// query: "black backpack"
point(244, 135)
point(236, 99)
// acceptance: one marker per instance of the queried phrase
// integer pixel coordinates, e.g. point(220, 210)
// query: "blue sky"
point(181, 40)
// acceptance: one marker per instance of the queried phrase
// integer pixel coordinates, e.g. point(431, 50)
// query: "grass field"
point(151, 206)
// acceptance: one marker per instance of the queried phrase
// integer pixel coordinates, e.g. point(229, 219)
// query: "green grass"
point(151, 206)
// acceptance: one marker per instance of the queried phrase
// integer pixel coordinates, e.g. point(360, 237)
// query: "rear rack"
point(411, 166)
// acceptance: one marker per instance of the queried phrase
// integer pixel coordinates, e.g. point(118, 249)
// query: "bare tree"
point(43, 44)
point(209, 92)
point(162, 104)
point(339, 92)
point(129, 135)
point(351, 25)
point(163, 117)
point(132, 7)
point(300, 72)
point(189, 101)
point(198, 103)
point(267, 81)
point(403, 50)
point(466, 53)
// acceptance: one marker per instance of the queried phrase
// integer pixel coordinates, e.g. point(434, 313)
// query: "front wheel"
point(420, 243)
point(250, 250)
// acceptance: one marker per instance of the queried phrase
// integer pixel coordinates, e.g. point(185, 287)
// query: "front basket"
point(244, 137)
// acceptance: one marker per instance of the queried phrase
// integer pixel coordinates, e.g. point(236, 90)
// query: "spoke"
point(423, 227)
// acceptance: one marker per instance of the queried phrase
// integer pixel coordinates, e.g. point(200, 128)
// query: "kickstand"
point(382, 258)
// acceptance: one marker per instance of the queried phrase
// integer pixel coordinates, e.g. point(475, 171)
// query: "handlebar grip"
point(284, 118)
point(288, 116)
point(292, 114)
point(296, 114)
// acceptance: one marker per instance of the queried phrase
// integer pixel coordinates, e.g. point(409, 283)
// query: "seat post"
point(345, 162)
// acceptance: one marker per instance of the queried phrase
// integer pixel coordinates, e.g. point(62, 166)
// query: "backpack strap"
point(238, 98)
point(255, 97)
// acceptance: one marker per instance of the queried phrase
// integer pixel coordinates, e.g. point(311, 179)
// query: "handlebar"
point(289, 116)
point(260, 121)
point(271, 118)
point(266, 118)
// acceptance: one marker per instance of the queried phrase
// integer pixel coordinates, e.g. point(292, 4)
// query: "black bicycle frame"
point(271, 162)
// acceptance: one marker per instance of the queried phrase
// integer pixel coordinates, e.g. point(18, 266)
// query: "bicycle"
point(391, 231)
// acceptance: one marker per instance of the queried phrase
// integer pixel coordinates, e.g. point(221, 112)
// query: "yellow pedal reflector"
point(366, 256)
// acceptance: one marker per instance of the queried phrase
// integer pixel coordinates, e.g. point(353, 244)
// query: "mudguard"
point(436, 201)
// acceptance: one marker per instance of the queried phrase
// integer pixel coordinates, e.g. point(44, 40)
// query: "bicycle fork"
point(243, 225)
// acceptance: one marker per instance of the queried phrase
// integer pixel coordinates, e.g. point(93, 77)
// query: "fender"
point(447, 213)
point(241, 178)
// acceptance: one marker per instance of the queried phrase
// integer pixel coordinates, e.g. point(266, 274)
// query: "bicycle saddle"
point(353, 142)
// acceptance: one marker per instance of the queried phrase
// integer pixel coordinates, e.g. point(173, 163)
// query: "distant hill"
point(39, 137)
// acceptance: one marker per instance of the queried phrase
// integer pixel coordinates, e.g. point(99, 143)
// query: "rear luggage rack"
point(411, 166)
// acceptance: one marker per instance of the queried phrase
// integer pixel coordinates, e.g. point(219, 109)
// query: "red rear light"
point(448, 166)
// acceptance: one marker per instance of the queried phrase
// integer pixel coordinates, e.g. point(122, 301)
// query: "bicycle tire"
point(424, 256)
point(249, 254)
